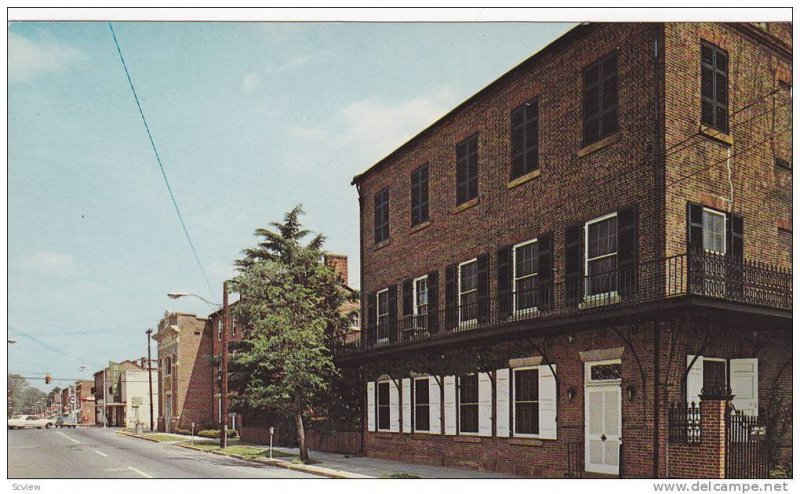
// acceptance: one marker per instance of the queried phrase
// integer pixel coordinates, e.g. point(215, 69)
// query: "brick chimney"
point(338, 262)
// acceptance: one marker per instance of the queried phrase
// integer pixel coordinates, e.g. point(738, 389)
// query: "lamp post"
point(150, 376)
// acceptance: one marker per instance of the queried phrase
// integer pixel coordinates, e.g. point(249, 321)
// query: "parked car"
point(29, 422)
point(66, 421)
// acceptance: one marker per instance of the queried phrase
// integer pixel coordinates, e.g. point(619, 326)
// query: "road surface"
point(101, 453)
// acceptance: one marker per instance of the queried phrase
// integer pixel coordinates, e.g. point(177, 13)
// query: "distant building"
point(111, 409)
point(86, 408)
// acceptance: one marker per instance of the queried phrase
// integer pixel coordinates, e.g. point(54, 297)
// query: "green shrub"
point(214, 433)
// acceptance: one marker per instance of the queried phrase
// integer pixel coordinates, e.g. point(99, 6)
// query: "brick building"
point(184, 371)
point(86, 408)
point(599, 236)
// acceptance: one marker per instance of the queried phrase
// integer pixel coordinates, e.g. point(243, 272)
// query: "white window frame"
point(378, 405)
point(459, 404)
point(378, 315)
point(471, 321)
point(233, 325)
point(414, 290)
point(414, 407)
point(596, 296)
point(167, 365)
point(220, 329)
point(355, 321)
point(724, 230)
point(513, 407)
point(516, 311)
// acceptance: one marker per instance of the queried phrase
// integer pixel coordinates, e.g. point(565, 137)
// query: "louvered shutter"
point(393, 313)
point(433, 301)
point(450, 405)
point(572, 264)
point(435, 400)
point(734, 265)
point(504, 290)
point(450, 296)
point(503, 401)
point(548, 428)
point(694, 228)
point(545, 296)
point(483, 288)
point(408, 297)
point(405, 398)
point(694, 380)
point(394, 407)
point(371, 406)
point(744, 385)
point(372, 326)
point(627, 247)
point(484, 404)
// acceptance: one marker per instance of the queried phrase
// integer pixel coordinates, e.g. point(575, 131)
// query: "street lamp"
point(176, 295)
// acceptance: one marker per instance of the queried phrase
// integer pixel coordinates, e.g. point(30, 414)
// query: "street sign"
point(136, 401)
point(73, 400)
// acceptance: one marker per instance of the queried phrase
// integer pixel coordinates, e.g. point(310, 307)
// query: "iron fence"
point(684, 423)
point(747, 446)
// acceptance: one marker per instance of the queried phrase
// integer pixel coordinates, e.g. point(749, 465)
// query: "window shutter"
point(744, 384)
point(433, 302)
point(484, 405)
point(572, 260)
point(483, 288)
point(627, 247)
point(372, 329)
point(503, 396)
point(504, 291)
point(735, 234)
point(434, 398)
point(451, 307)
point(545, 295)
point(394, 407)
point(694, 380)
point(371, 406)
point(450, 405)
point(408, 297)
point(405, 397)
point(547, 403)
point(393, 313)
point(694, 225)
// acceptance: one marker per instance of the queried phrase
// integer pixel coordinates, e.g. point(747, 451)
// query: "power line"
point(160, 165)
point(47, 345)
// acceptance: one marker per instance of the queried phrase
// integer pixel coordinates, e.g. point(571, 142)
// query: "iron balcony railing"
point(708, 275)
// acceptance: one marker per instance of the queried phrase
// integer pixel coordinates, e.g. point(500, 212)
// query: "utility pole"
point(223, 432)
point(150, 376)
point(105, 400)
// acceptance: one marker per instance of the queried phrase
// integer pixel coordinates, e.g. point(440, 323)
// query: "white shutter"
point(744, 385)
point(694, 381)
point(394, 407)
point(484, 404)
point(371, 406)
point(501, 381)
point(435, 401)
point(406, 399)
point(547, 403)
point(450, 405)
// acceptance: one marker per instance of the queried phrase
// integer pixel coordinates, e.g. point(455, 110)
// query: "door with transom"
point(603, 419)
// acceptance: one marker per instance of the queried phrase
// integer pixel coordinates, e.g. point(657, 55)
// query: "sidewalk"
point(376, 467)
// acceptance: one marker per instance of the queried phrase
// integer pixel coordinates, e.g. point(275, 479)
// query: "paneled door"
point(603, 421)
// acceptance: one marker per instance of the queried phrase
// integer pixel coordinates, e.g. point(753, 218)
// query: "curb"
point(321, 471)
point(128, 434)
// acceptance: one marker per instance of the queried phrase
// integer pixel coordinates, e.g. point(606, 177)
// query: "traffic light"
point(47, 378)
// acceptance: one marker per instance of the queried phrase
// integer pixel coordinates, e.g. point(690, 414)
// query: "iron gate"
point(747, 447)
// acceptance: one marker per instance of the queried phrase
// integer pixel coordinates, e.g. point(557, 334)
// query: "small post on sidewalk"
point(192, 432)
point(271, 432)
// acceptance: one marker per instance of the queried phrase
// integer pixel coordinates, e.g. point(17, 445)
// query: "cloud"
point(51, 263)
point(250, 82)
point(28, 58)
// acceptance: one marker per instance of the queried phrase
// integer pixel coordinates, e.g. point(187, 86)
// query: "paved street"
point(101, 453)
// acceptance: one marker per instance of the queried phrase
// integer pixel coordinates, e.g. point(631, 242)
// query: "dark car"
point(65, 421)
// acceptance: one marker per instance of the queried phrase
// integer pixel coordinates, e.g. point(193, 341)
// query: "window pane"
point(469, 418)
point(468, 388)
point(707, 82)
point(722, 89)
point(383, 394)
point(707, 113)
point(469, 276)
point(526, 418)
point(526, 385)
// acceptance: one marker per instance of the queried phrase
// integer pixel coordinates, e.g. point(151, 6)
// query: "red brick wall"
point(194, 372)
point(684, 459)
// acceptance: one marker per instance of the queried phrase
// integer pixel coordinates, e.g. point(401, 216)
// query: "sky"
point(250, 119)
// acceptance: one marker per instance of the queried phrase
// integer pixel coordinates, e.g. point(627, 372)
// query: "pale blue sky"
point(249, 119)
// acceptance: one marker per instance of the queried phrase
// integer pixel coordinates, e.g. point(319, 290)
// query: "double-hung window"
point(421, 302)
point(601, 255)
point(525, 139)
point(526, 401)
point(220, 329)
point(383, 406)
point(419, 196)
point(383, 315)
point(382, 216)
point(713, 86)
point(468, 291)
point(526, 276)
point(600, 102)
point(714, 231)
point(468, 404)
point(467, 170)
point(422, 417)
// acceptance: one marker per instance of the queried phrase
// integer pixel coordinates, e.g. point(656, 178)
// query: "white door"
point(603, 425)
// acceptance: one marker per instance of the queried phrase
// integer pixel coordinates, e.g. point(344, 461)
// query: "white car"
point(29, 422)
